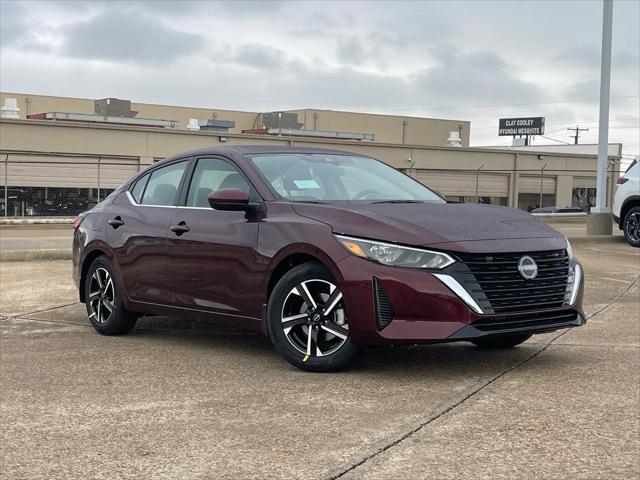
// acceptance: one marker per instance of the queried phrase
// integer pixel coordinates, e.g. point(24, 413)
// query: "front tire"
point(631, 226)
point(307, 322)
point(501, 341)
point(103, 299)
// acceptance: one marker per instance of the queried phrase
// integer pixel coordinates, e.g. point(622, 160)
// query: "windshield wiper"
point(399, 201)
point(309, 201)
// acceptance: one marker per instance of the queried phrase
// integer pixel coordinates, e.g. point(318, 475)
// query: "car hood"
point(428, 223)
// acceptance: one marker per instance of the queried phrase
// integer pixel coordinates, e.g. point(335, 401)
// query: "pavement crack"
point(20, 315)
point(61, 322)
point(476, 390)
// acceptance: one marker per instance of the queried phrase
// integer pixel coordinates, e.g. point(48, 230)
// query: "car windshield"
point(328, 178)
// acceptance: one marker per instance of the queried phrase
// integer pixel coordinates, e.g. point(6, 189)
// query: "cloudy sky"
point(469, 60)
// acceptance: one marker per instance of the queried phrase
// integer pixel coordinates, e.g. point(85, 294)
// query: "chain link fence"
point(59, 185)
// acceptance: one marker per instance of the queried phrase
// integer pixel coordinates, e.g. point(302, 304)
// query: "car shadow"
point(436, 360)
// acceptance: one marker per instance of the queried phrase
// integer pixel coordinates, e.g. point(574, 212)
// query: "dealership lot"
point(182, 399)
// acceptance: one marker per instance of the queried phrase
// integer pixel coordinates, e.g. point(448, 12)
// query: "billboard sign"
point(521, 126)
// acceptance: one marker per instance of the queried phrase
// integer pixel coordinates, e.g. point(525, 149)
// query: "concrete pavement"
point(190, 400)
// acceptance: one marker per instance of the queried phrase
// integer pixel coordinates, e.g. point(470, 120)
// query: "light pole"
point(541, 183)
point(600, 222)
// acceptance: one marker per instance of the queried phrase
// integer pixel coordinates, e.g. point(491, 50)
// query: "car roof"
point(241, 150)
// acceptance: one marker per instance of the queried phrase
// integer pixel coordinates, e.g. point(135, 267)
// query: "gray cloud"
point(475, 78)
point(588, 55)
point(12, 25)
point(259, 56)
point(128, 35)
point(348, 88)
point(351, 50)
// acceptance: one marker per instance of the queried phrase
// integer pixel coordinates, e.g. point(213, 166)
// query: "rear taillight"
point(622, 180)
point(76, 223)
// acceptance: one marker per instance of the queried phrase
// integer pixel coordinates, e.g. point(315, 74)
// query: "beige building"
point(56, 167)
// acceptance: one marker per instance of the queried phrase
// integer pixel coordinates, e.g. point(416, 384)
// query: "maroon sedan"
point(323, 251)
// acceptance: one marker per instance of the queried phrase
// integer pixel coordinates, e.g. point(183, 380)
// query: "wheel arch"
point(629, 203)
point(86, 262)
point(293, 256)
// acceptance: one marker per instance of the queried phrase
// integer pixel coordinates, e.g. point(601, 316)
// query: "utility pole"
point(577, 131)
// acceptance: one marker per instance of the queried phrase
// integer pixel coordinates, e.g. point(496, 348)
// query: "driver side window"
point(213, 174)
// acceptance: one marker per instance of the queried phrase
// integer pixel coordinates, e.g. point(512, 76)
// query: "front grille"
point(494, 281)
point(384, 310)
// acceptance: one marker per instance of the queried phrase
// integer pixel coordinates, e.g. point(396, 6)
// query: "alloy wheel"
point(633, 226)
point(313, 318)
point(101, 295)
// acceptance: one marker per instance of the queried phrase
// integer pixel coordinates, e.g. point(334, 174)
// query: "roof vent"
point(280, 120)
point(10, 108)
point(215, 125)
point(454, 139)
point(114, 107)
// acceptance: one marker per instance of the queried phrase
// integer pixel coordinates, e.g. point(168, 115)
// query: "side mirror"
point(231, 199)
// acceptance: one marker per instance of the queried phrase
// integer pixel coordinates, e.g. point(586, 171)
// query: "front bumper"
point(523, 323)
point(417, 307)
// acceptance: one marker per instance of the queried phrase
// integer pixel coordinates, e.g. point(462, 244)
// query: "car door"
point(212, 253)
point(137, 232)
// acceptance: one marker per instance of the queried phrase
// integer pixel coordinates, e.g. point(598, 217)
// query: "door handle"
point(180, 228)
point(116, 222)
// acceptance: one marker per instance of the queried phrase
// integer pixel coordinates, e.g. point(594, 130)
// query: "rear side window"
point(162, 186)
point(138, 188)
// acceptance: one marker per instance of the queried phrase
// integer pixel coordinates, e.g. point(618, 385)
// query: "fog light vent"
point(384, 310)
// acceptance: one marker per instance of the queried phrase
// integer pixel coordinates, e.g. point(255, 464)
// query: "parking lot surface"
point(189, 400)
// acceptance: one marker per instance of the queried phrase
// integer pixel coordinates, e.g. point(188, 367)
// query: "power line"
point(554, 140)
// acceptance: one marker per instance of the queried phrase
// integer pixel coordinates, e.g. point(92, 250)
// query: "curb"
point(36, 221)
point(29, 255)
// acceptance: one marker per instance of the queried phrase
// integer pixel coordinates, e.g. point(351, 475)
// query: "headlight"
point(569, 249)
point(389, 254)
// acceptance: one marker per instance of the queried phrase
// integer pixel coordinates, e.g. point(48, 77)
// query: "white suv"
point(626, 204)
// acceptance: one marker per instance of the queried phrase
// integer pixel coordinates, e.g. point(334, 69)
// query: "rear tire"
point(307, 322)
point(103, 300)
point(631, 226)
point(501, 341)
